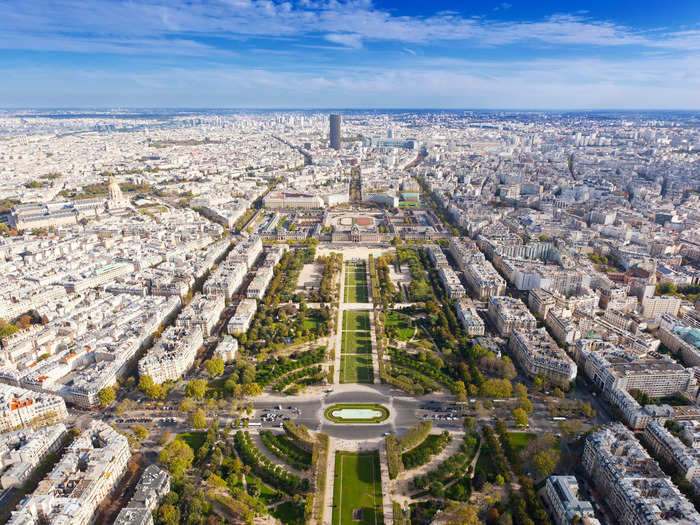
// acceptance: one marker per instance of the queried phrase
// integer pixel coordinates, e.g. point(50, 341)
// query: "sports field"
point(357, 493)
point(355, 368)
point(356, 282)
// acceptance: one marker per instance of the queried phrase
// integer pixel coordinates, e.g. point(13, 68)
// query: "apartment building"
point(685, 459)
point(451, 282)
point(258, 286)
point(680, 337)
point(20, 407)
point(484, 280)
point(203, 311)
point(563, 498)
point(635, 487)
point(173, 354)
point(562, 326)
point(246, 251)
point(153, 485)
point(653, 307)
point(469, 318)
point(437, 257)
point(87, 472)
point(22, 451)
point(509, 314)
point(242, 317)
point(538, 354)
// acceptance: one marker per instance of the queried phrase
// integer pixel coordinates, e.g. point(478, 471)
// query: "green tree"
point(186, 405)
point(538, 383)
point(214, 367)
point(520, 417)
point(252, 389)
point(168, 515)
point(460, 390)
point(140, 432)
point(8, 329)
point(545, 462)
point(520, 390)
point(525, 404)
point(198, 419)
point(558, 392)
point(177, 457)
point(150, 388)
point(106, 395)
point(197, 389)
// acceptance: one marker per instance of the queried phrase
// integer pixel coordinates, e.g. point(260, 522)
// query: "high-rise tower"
point(335, 132)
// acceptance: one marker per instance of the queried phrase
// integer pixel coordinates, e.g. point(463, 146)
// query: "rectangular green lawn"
point(357, 486)
point(356, 283)
point(355, 320)
point(356, 369)
point(356, 343)
point(357, 293)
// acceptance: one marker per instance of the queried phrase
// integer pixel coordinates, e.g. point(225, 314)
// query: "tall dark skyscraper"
point(335, 132)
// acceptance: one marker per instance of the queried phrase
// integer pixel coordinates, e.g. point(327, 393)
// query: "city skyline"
point(261, 54)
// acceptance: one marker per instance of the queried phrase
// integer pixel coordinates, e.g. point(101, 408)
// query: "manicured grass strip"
point(356, 283)
point(355, 320)
point(356, 343)
point(328, 413)
point(356, 294)
point(357, 489)
point(356, 369)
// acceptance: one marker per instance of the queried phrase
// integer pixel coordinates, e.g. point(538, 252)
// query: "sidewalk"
point(387, 501)
point(330, 483)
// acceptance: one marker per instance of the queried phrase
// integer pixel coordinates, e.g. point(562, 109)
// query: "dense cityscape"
point(349, 317)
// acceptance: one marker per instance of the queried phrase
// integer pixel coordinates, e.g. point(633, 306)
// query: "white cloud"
point(333, 19)
point(346, 39)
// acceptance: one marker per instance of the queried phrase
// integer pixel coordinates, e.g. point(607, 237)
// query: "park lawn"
point(357, 293)
point(311, 324)
point(357, 486)
point(356, 369)
point(356, 343)
point(288, 513)
point(519, 440)
point(194, 439)
point(355, 320)
point(402, 325)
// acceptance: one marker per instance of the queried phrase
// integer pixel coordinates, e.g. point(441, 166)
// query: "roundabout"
point(356, 413)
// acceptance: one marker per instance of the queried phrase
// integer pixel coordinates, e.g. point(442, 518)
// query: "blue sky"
point(614, 54)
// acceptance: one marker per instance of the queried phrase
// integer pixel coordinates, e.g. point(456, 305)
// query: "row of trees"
point(454, 466)
point(275, 368)
point(431, 445)
point(332, 266)
point(287, 451)
point(270, 473)
point(292, 377)
point(424, 362)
